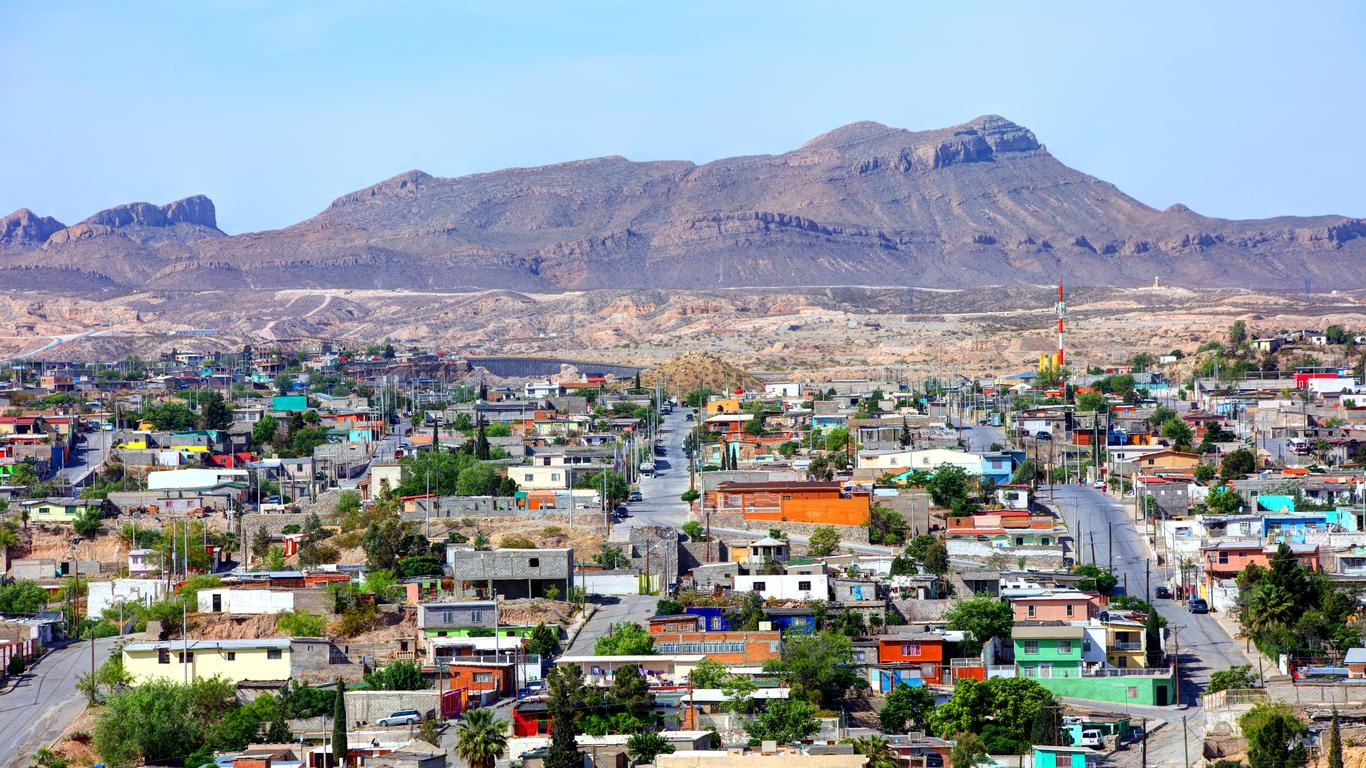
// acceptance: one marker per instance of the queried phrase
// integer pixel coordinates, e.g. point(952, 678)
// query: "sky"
point(1237, 109)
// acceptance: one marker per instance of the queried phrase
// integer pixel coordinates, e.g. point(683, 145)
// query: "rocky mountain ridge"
point(975, 204)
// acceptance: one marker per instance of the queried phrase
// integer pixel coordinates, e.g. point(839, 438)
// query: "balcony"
point(1126, 646)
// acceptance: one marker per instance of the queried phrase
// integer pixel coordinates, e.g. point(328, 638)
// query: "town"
point(300, 554)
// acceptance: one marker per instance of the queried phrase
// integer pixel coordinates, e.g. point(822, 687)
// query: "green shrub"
point(299, 624)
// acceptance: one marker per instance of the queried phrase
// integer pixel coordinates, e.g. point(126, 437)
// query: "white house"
point(782, 389)
point(245, 602)
point(194, 479)
point(108, 594)
point(792, 586)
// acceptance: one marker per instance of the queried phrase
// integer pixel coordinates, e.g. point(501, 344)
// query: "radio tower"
point(1062, 313)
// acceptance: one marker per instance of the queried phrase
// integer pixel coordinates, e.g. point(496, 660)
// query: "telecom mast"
point(1062, 313)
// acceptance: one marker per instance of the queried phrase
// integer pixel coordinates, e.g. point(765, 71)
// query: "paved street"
point(661, 504)
point(41, 706)
point(612, 610)
point(87, 457)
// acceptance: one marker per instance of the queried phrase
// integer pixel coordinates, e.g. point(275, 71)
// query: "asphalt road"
point(612, 610)
point(88, 456)
point(660, 504)
point(45, 701)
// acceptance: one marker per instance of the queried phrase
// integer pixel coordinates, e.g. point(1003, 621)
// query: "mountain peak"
point(407, 183)
point(26, 228)
point(196, 209)
point(852, 133)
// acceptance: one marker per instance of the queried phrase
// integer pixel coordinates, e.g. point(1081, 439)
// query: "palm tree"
point(877, 751)
point(481, 738)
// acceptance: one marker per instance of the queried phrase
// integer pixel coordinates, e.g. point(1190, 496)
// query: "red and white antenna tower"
point(1062, 313)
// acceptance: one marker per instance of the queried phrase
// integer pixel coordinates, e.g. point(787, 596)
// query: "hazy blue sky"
point(1239, 109)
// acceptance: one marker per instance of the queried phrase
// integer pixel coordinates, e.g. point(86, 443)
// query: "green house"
point(57, 510)
point(1048, 650)
point(1059, 757)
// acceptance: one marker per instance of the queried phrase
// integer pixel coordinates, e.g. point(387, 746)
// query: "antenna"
point(1062, 313)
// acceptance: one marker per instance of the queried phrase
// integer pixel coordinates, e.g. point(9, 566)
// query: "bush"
point(16, 666)
point(357, 619)
point(516, 542)
point(300, 624)
point(693, 530)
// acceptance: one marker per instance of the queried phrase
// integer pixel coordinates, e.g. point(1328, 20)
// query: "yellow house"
point(722, 405)
point(191, 448)
point(1124, 644)
point(55, 510)
point(139, 444)
point(260, 659)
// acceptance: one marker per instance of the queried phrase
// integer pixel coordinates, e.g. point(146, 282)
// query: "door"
point(217, 603)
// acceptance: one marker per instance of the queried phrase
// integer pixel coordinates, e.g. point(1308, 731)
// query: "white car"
point(401, 717)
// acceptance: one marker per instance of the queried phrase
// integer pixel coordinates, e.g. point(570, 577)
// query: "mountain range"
point(982, 203)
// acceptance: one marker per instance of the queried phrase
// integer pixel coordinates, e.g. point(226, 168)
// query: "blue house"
point(713, 618)
point(799, 620)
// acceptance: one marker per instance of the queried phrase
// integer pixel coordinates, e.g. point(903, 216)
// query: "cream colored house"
point(262, 659)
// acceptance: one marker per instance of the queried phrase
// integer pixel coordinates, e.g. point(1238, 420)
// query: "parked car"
point(1163, 593)
point(622, 511)
point(688, 416)
point(273, 500)
point(401, 717)
point(1091, 737)
point(633, 497)
point(1198, 605)
point(1042, 435)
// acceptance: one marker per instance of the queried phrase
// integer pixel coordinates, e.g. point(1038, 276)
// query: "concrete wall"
point(33, 569)
point(107, 594)
point(246, 601)
point(369, 706)
point(610, 582)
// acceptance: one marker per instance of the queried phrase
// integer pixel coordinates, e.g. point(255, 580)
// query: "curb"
point(572, 633)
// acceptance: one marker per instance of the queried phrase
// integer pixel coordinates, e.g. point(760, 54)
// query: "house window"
point(274, 654)
point(804, 586)
point(476, 617)
point(1065, 646)
point(910, 649)
point(1031, 610)
point(483, 677)
point(787, 497)
point(775, 646)
point(230, 655)
point(534, 562)
point(1223, 558)
point(760, 586)
point(163, 656)
point(1031, 647)
point(555, 477)
point(528, 478)
point(184, 657)
point(1070, 610)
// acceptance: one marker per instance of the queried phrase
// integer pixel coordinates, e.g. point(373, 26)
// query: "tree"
point(170, 416)
point(755, 426)
point(1152, 639)
point(1001, 709)
point(817, 667)
point(983, 617)
point(544, 641)
point(1097, 578)
point(785, 721)
point(1043, 731)
point(611, 558)
point(690, 495)
point(1237, 464)
point(1204, 473)
point(625, 639)
point(22, 597)
point(339, 723)
point(214, 412)
point(645, 746)
point(824, 540)
point(164, 721)
point(936, 559)
point(885, 526)
point(1092, 402)
point(1232, 678)
point(1237, 333)
point(836, 439)
point(877, 752)
point(1273, 734)
point(1223, 501)
point(617, 487)
point(481, 738)
point(708, 673)
point(482, 449)
point(967, 751)
point(746, 616)
point(629, 687)
point(397, 676)
point(948, 483)
point(1334, 742)
point(908, 708)
point(89, 521)
point(565, 685)
point(1178, 432)
point(693, 530)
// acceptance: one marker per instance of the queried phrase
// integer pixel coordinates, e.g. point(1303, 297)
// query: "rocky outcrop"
point(24, 228)
point(197, 209)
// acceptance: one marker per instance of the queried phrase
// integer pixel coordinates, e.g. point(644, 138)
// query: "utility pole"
point(1185, 741)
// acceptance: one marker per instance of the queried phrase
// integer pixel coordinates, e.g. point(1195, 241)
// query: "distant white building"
point(792, 586)
point(108, 594)
point(194, 479)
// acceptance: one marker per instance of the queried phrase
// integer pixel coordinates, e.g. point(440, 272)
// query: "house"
point(1355, 661)
point(102, 595)
point(659, 669)
point(194, 479)
point(733, 647)
point(912, 658)
point(457, 618)
point(758, 552)
point(257, 660)
point(255, 601)
point(512, 573)
point(1050, 649)
point(1069, 607)
point(477, 676)
point(143, 562)
point(789, 586)
point(57, 509)
point(1060, 757)
point(823, 503)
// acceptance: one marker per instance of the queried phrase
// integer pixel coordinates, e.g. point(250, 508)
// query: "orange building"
point(481, 676)
point(1227, 559)
point(825, 503)
point(920, 648)
point(1058, 606)
point(725, 647)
